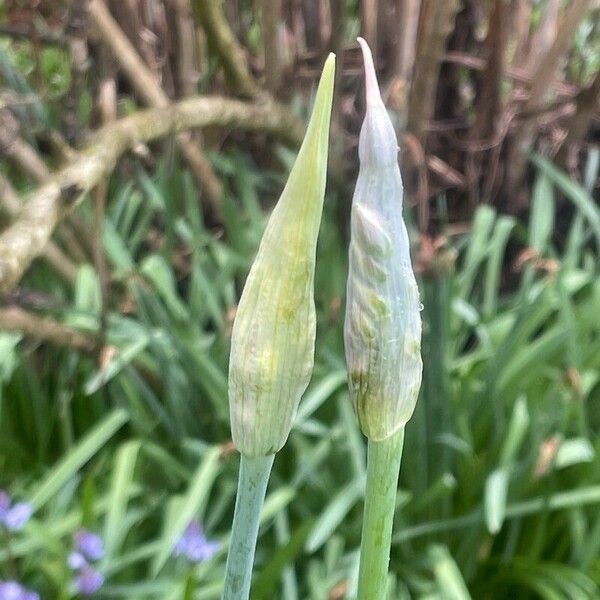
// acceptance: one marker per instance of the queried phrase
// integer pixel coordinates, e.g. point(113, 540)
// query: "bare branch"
point(435, 24)
point(544, 74)
point(45, 329)
point(149, 89)
point(221, 38)
point(26, 238)
point(12, 205)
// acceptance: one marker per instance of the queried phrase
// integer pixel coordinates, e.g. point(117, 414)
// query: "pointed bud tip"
point(318, 127)
point(328, 68)
point(373, 93)
point(378, 144)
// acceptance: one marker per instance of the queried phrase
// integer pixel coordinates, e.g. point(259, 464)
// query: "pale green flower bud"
point(273, 339)
point(382, 331)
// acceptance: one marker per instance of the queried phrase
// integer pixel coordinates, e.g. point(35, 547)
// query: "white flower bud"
point(382, 331)
point(273, 338)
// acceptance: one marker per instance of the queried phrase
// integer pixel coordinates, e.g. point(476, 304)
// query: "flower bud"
point(382, 330)
point(273, 338)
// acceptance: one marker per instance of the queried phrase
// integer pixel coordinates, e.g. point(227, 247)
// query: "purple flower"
point(89, 544)
point(89, 581)
point(76, 561)
point(194, 545)
point(11, 590)
point(15, 517)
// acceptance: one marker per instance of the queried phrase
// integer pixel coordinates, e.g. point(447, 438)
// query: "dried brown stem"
point(150, 91)
point(544, 36)
point(25, 239)
point(56, 258)
point(489, 104)
point(185, 32)
point(540, 83)
point(30, 32)
point(517, 73)
point(368, 23)
point(210, 14)
point(407, 16)
point(587, 104)
point(271, 36)
point(548, 65)
point(435, 24)
point(45, 329)
point(28, 159)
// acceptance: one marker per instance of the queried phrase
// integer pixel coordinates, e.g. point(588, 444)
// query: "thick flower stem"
point(252, 485)
point(383, 469)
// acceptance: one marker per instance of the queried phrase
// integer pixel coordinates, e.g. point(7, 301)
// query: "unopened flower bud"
point(273, 338)
point(382, 331)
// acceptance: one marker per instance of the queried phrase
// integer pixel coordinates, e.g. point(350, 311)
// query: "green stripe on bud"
point(273, 338)
point(382, 331)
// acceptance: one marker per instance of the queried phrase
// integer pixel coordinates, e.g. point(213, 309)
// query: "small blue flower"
point(11, 590)
point(194, 545)
point(76, 561)
point(13, 518)
point(16, 517)
point(89, 581)
point(89, 544)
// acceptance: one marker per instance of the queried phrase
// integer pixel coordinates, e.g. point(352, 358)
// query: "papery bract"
point(273, 338)
point(382, 331)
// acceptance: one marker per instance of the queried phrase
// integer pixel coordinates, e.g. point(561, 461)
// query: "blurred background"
point(143, 144)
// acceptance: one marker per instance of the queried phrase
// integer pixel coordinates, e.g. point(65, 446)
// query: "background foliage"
point(113, 397)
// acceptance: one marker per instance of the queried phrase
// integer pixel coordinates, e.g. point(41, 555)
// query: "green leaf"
point(159, 272)
point(450, 582)
point(496, 490)
point(121, 491)
point(573, 452)
point(333, 514)
point(122, 358)
point(71, 462)
point(572, 190)
point(541, 220)
point(190, 506)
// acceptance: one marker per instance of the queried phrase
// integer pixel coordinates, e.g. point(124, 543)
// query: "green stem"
point(252, 485)
point(383, 469)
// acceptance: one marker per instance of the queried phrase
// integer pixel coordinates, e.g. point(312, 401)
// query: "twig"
point(368, 24)
point(77, 30)
point(543, 37)
point(271, 35)
point(587, 103)
point(521, 24)
point(540, 81)
point(30, 32)
point(56, 258)
point(147, 87)
point(221, 38)
point(27, 158)
point(547, 67)
point(106, 106)
point(186, 42)
point(517, 73)
point(48, 204)
point(45, 329)
point(407, 21)
point(17, 149)
point(488, 107)
point(435, 24)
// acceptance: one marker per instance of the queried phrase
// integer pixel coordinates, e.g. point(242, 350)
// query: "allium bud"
point(382, 331)
point(273, 338)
